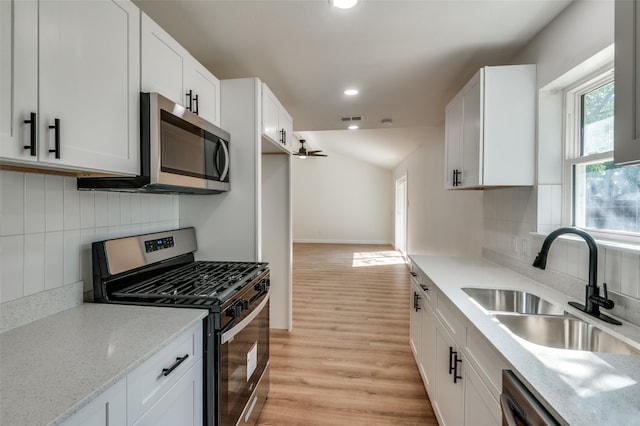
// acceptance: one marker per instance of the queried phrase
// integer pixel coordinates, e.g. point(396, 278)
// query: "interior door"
point(401, 216)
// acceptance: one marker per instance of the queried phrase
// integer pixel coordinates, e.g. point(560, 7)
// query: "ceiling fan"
point(303, 153)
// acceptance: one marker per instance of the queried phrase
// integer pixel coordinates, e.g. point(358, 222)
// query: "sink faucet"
point(593, 300)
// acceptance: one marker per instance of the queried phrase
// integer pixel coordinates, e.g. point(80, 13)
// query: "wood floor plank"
point(347, 360)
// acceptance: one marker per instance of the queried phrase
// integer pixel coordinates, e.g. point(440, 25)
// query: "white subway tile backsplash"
point(34, 203)
point(612, 270)
point(54, 203)
point(101, 209)
point(630, 274)
point(544, 205)
point(113, 208)
point(47, 227)
point(11, 273)
point(71, 200)
point(71, 272)
point(125, 209)
point(34, 261)
point(87, 209)
point(54, 260)
point(556, 205)
point(12, 192)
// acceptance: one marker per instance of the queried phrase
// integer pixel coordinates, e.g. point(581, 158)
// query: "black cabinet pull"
point(195, 105)
point(167, 371)
point(283, 136)
point(190, 100)
point(32, 134)
point(56, 127)
point(416, 301)
point(456, 177)
point(451, 353)
point(457, 360)
point(413, 274)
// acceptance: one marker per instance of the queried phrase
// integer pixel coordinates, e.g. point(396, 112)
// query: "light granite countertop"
point(583, 388)
point(52, 367)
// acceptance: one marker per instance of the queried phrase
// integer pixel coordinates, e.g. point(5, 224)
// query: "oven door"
point(244, 358)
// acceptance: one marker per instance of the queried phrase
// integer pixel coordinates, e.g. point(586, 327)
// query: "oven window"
point(243, 361)
point(189, 150)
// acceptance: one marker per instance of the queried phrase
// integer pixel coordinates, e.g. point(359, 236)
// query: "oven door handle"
point(229, 332)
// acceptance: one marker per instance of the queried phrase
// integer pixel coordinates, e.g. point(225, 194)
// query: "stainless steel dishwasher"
point(519, 406)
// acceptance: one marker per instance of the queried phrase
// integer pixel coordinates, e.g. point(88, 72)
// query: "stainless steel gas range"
point(159, 269)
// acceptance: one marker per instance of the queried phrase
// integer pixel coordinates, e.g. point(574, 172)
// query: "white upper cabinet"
point(75, 70)
point(490, 129)
point(627, 87)
point(277, 124)
point(169, 69)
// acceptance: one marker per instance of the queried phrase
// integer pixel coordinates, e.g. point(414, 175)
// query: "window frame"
point(571, 151)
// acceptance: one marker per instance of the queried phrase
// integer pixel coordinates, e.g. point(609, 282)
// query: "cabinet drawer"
point(487, 361)
point(451, 319)
point(148, 383)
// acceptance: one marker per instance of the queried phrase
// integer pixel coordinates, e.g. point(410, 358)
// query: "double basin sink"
point(544, 323)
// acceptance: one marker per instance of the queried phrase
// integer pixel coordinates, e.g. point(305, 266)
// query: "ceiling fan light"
point(353, 127)
point(302, 157)
point(343, 4)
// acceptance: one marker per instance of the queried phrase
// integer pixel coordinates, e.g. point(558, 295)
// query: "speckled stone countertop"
point(583, 388)
point(52, 367)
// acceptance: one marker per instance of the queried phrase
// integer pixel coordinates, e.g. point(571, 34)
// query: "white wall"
point(337, 199)
point(440, 222)
point(46, 230)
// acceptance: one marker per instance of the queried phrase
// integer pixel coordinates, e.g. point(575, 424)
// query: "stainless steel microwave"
point(180, 153)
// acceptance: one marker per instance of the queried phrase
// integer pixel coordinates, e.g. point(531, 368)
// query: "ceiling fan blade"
point(316, 155)
point(313, 152)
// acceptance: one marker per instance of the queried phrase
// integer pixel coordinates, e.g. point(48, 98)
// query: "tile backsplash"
point(512, 215)
point(47, 226)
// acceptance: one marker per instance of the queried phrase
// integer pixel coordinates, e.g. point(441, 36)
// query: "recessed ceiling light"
point(343, 4)
point(353, 127)
point(351, 92)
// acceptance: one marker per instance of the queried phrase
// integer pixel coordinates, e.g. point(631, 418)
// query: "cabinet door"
point(207, 87)
point(162, 62)
point(415, 323)
point(428, 346)
point(18, 77)
point(90, 80)
point(108, 409)
point(627, 78)
point(453, 138)
point(270, 114)
point(480, 408)
point(181, 405)
point(448, 401)
point(285, 123)
point(472, 132)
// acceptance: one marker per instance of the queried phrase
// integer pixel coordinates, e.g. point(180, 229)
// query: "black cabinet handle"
point(451, 353)
point(195, 104)
point(416, 301)
point(190, 100)
point(457, 360)
point(283, 137)
point(456, 177)
point(56, 127)
point(32, 133)
point(413, 274)
point(167, 371)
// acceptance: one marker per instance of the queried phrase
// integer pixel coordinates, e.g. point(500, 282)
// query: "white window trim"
point(571, 96)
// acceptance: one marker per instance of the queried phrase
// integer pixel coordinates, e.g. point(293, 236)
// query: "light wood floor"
point(347, 360)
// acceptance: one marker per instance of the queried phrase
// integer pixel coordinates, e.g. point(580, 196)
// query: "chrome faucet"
point(593, 300)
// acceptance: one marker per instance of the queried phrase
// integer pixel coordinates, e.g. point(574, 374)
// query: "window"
point(599, 195)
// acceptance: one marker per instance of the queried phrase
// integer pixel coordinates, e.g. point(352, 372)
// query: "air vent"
point(350, 118)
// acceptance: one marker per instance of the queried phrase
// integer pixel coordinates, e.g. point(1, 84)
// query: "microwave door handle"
point(223, 175)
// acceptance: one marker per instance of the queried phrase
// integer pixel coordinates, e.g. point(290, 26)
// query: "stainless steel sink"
point(564, 333)
point(499, 300)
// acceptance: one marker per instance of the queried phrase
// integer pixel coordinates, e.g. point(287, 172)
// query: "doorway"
point(401, 216)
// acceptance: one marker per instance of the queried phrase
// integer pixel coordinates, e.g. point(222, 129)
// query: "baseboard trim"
point(364, 242)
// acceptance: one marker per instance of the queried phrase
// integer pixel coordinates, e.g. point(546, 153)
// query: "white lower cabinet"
point(108, 409)
point(460, 369)
point(181, 405)
point(165, 389)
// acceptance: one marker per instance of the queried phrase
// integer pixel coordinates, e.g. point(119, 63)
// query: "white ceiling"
point(407, 57)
